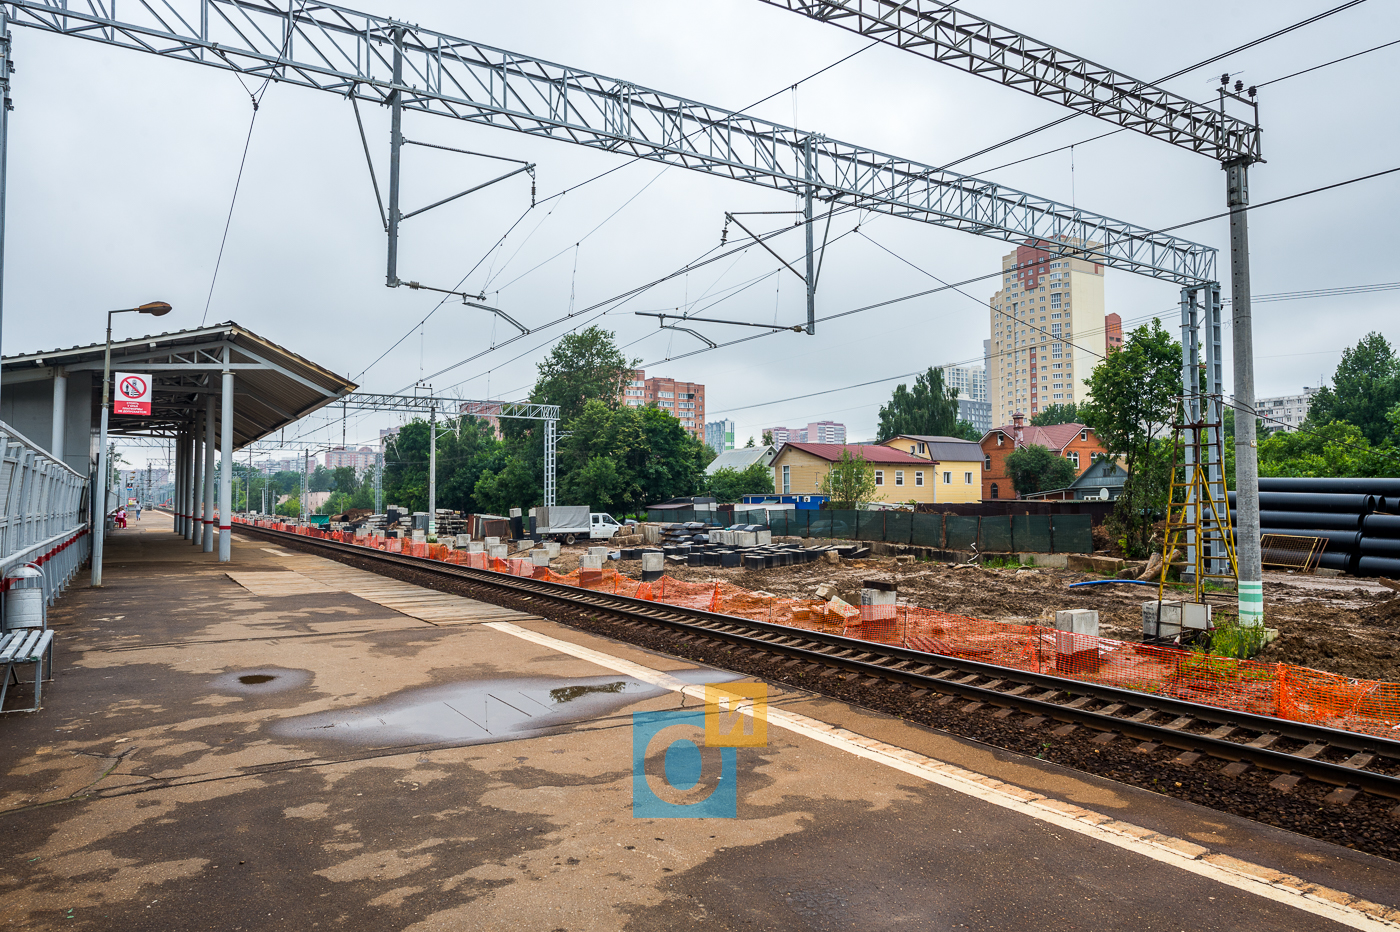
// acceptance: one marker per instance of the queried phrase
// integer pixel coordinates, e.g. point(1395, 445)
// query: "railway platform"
point(283, 741)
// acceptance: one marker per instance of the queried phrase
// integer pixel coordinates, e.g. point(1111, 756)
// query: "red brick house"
point(1074, 442)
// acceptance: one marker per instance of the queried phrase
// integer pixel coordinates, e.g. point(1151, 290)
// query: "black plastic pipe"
point(1390, 488)
point(1380, 547)
point(1381, 526)
point(1348, 541)
point(1314, 501)
point(1313, 519)
point(1338, 561)
point(1378, 566)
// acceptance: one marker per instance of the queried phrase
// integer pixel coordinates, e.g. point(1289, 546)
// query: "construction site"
point(308, 620)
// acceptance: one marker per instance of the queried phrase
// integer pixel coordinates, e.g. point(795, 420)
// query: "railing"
point(43, 521)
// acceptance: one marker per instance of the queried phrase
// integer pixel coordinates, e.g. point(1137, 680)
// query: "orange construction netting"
point(1274, 689)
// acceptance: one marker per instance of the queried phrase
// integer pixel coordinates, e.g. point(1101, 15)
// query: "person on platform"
point(121, 517)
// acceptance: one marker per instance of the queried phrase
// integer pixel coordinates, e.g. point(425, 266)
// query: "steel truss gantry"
point(358, 55)
point(937, 30)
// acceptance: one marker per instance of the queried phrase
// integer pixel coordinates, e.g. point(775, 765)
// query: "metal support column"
point(1251, 571)
point(5, 107)
point(432, 471)
point(550, 433)
point(395, 144)
point(99, 495)
point(177, 469)
point(60, 413)
point(226, 468)
point(811, 257)
point(207, 522)
point(194, 483)
point(1190, 408)
point(1211, 409)
point(379, 481)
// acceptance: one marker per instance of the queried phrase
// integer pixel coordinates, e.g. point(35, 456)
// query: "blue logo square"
point(683, 769)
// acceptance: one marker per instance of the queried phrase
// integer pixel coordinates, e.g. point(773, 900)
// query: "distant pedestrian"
point(121, 517)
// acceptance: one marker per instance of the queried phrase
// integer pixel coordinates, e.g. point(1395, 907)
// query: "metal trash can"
point(24, 597)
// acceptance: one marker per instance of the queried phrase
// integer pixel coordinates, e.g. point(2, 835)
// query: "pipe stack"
point(1355, 516)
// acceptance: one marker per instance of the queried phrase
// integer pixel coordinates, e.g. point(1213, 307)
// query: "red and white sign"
point(133, 394)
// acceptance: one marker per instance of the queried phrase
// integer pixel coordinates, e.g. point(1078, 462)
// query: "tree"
point(1326, 451)
point(767, 438)
point(291, 508)
point(1056, 414)
point(931, 409)
point(320, 480)
point(1365, 386)
point(730, 485)
point(1035, 468)
point(849, 482)
point(583, 367)
point(1132, 402)
point(749, 444)
point(628, 457)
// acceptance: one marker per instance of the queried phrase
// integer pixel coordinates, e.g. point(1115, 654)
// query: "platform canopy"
point(274, 386)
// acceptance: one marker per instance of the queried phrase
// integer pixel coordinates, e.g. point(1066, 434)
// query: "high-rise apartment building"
point(1113, 331)
point(1048, 331)
point(815, 432)
point(719, 435)
point(359, 459)
point(685, 400)
point(1285, 412)
point(970, 381)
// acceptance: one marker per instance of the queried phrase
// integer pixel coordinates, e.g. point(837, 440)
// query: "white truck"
point(570, 523)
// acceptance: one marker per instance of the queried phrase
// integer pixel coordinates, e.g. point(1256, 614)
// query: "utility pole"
point(5, 107)
point(395, 144)
point(1247, 551)
point(432, 471)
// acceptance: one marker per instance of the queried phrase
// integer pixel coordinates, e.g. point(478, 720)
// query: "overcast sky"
point(122, 166)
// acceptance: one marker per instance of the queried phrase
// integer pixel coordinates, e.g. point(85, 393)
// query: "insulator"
point(1239, 86)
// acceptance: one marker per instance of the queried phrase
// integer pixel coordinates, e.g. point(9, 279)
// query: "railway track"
point(1348, 762)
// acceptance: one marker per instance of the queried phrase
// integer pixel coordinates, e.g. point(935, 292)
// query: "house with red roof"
point(799, 468)
point(1075, 442)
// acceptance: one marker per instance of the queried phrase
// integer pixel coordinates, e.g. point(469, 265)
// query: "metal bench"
point(28, 645)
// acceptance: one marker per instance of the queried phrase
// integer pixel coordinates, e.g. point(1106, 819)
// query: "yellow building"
point(957, 472)
point(799, 469)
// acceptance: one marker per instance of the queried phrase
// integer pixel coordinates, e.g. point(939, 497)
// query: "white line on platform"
point(1250, 878)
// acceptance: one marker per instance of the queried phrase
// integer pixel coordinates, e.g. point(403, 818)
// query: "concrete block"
point(420, 536)
point(832, 557)
point(1051, 560)
point(765, 537)
point(1077, 621)
point(745, 538)
point(492, 541)
point(515, 513)
point(825, 591)
point(475, 546)
point(1175, 616)
point(877, 600)
point(497, 551)
point(593, 562)
point(463, 540)
point(597, 551)
point(753, 561)
point(539, 557)
point(554, 547)
point(653, 561)
point(904, 558)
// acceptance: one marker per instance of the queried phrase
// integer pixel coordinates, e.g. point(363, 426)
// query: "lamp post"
point(155, 309)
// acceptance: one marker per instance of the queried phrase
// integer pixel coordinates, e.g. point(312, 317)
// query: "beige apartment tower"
point(1047, 331)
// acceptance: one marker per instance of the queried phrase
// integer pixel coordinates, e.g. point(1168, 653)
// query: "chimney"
point(1018, 425)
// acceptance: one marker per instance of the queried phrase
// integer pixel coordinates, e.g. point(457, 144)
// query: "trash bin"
point(24, 598)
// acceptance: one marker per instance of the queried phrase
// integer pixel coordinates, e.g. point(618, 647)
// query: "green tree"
point(849, 482)
point(291, 508)
point(343, 479)
point(629, 457)
point(749, 444)
point(1132, 403)
point(731, 485)
point(1035, 468)
point(1326, 451)
point(1056, 414)
point(931, 409)
point(767, 438)
point(321, 480)
point(514, 486)
point(583, 367)
point(1365, 386)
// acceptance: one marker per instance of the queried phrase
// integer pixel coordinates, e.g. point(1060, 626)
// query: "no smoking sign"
point(133, 394)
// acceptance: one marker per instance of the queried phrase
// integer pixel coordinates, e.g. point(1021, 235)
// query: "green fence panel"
point(819, 523)
point(927, 531)
point(1031, 533)
point(1072, 533)
point(870, 525)
point(960, 531)
point(778, 524)
point(899, 526)
point(994, 536)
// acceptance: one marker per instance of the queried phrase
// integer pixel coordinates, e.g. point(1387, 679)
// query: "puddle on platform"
point(478, 711)
point(262, 680)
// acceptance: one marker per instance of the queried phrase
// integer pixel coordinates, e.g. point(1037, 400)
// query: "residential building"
point(799, 468)
point(741, 459)
point(815, 432)
point(970, 381)
point(976, 413)
point(957, 473)
point(685, 400)
point(488, 411)
point(359, 459)
point(719, 435)
point(1048, 329)
point(1285, 412)
point(1075, 442)
point(1112, 332)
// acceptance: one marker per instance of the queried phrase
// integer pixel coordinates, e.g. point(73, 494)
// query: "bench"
point(25, 646)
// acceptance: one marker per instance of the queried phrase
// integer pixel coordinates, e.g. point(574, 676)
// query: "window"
point(994, 490)
point(787, 480)
point(947, 478)
point(1057, 351)
point(899, 477)
point(918, 477)
point(1084, 434)
point(1073, 457)
point(1055, 328)
point(988, 463)
point(665, 394)
point(1000, 438)
point(911, 448)
point(967, 478)
point(922, 449)
point(879, 477)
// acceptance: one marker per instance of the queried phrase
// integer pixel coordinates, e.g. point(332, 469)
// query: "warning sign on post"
point(133, 394)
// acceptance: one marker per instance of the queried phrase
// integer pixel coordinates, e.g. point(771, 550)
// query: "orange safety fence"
point(1279, 690)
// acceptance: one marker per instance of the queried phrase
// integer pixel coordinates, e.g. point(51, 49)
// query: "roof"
point(946, 448)
point(273, 387)
point(741, 459)
point(1054, 436)
point(872, 452)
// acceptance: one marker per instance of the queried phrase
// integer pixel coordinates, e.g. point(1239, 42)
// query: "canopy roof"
point(273, 387)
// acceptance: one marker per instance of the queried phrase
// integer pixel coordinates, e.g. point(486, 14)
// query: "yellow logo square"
point(731, 710)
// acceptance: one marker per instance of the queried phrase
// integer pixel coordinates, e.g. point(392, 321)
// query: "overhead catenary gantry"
point(939, 31)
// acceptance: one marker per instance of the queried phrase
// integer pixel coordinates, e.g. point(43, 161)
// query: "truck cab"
point(602, 525)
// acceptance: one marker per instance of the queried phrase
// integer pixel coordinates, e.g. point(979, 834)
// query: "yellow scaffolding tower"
point(1198, 509)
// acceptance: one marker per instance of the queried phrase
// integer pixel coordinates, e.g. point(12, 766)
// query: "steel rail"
point(1063, 699)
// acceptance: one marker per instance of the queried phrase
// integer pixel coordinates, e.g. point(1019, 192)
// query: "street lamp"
point(155, 309)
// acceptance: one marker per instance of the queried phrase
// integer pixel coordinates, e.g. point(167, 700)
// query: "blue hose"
point(1109, 582)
